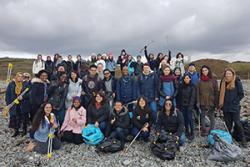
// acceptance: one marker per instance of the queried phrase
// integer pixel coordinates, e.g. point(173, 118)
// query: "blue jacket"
point(110, 65)
point(126, 89)
point(195, 77)
point(148, 85)
point(233, 97)
point(41, 134)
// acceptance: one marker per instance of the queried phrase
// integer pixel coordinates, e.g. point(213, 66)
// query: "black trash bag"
point(223, 151)
point(110, 145)
point(165, 147)
point(246, 129)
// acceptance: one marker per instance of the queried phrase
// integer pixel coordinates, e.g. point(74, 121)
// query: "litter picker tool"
point(147, 45)
point(50, 138)
point(16, 101)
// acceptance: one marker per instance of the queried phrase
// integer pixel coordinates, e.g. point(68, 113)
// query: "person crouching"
point(119, 122)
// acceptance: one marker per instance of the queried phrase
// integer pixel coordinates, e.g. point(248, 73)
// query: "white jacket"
point(40, 65)
point(74, 89)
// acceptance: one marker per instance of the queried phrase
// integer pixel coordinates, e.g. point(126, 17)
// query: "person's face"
point(151, 56)
point(99, 67)
point(205, 71)
point(98, 98)
point(48, 58)
point(123, 53)
point(187, 80)
point(191, 68)
point(142, 103)
point(118, 106)
point(125, 71)
point(19, 77)
point(76, 103)
point(92, 71)
point(139, 59)
point(78, 58)
point(177, 72)
point(99, 57)
point(166, 71)
point(44, 77)
point(107, 74)
point(146, 69)
point(161, 56)
point(69, 58)
point(168, 105)
point(73, 75)
point(63, 78)
point(229, 75)
point(39, 57)
point(48, 109)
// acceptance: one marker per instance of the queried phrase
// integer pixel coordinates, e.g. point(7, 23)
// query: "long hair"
point(172, 107)
point(146, 108)
point(39, 117)
point(77, 76)
point(93, 101)
point(210, 75)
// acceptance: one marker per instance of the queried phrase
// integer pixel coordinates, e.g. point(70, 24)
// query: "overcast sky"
point(198, 28)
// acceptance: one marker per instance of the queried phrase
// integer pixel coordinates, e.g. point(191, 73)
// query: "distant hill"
point(217, 66)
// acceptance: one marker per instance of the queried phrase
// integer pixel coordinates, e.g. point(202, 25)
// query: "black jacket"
point(186, 96)
point(122, 120)
point(154, 64)
point(174, 123)
point(233, 97)
point(99, 115)
point(140, 117)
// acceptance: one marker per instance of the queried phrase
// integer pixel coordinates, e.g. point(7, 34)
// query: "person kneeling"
point(142, 119)
point(119, 122)
point(171, 121)
point(74, 122)
point(44, 123)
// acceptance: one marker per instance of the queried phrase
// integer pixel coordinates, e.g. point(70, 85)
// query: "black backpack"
point(165, 146)
point(110, 145)
point(246, 129)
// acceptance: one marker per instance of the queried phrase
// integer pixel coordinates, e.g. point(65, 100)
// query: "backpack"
point(222, 134)
point(223, 151)
point(110, 145)
point(246, 129)
point(165, 146)
point(92, 135)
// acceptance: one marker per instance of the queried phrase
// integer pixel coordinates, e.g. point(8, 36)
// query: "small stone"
point(126, 162)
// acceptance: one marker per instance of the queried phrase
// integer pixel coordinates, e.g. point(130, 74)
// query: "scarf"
point(226, 84)
point(18, 87)
point(167, 78)
point(204, 78)
point(98, 105)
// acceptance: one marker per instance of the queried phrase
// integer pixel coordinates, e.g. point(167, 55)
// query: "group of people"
point(121, 98)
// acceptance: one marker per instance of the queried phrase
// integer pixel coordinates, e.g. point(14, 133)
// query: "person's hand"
point(113, 95)
point(158, 133)
point(156, 99)
point(145, 129)
point(177, 138)
point(112, 121)
point(146, 125)
point(20, 97)
point(96, 124)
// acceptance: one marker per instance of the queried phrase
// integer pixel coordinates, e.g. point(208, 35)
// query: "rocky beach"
point(13, 154)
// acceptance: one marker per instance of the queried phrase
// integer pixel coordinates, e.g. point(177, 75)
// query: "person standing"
point(38, 65)
point(231, 93)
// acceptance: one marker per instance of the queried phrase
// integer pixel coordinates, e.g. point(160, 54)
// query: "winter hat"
point(76, 98)
point(191, 64)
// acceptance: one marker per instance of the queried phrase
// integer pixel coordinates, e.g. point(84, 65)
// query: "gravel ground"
point(12, 151)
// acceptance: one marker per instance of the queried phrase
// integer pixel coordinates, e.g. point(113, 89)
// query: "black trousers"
point(71, 137)
point(234, 117)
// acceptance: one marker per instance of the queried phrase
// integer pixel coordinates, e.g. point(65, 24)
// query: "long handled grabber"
point(134, 139)
point(50, 138)
point(16, 101)
point(199, 121)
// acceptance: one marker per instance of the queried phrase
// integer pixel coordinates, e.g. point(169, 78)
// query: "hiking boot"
point(244, 142)
point(16, 133)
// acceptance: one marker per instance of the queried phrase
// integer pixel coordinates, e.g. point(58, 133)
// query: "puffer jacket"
point(98, 115)
point(74, 89)
point(186, 96)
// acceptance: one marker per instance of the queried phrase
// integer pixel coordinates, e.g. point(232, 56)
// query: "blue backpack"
point(222, 134)
point(92, 135)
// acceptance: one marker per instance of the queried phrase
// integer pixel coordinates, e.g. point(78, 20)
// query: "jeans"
point(42, 147)
point(102, 126)
point(182, 139)
point(188, 120)
point(119, 133)
point(153, 107)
